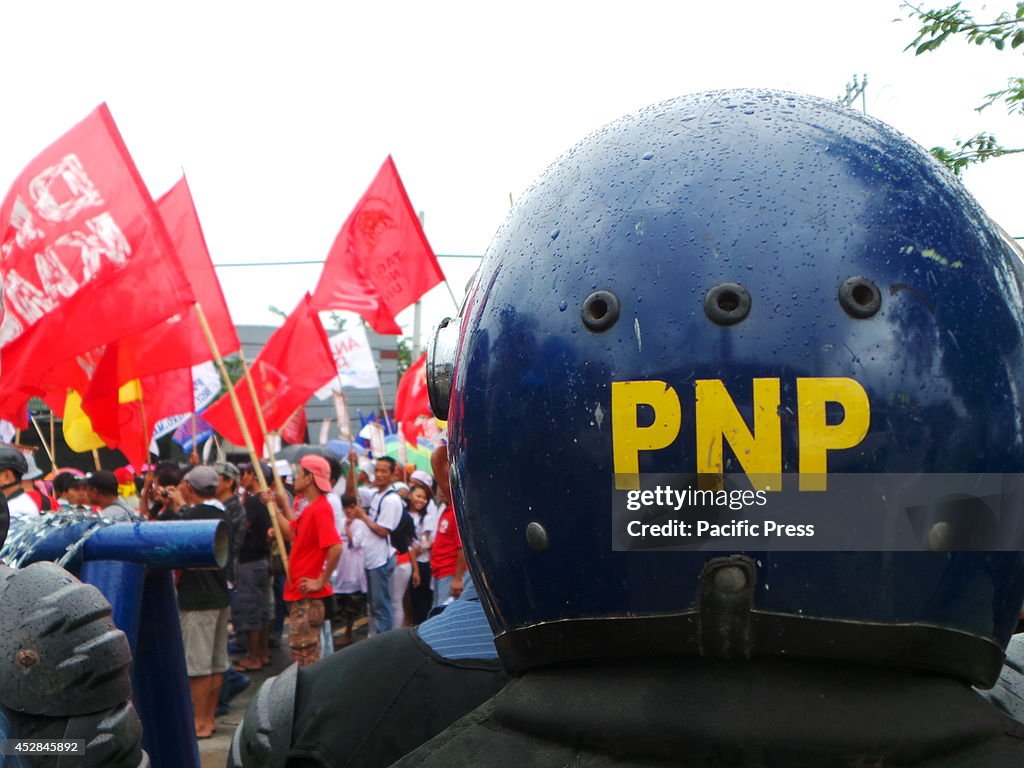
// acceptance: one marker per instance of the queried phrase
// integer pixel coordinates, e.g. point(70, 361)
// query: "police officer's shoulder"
point(368, 704)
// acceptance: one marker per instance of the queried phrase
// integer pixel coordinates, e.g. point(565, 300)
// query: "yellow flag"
point(77, 428)
point(78, 431)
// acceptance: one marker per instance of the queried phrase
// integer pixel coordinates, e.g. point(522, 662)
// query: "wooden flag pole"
point(244, 426)
point(383, 407)
point(146, 438)
point(96, 459)
point(195, 443)
point(53, 441)
point(42, 440)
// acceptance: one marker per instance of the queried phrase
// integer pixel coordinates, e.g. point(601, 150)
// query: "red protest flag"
point(294, 430)
point(81, 249)
point(178, 342)
point(295, 362)
point(124, 416)
point(380, 262)
point(412, 399)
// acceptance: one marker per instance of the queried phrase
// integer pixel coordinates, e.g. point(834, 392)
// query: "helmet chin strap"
point(10, 485)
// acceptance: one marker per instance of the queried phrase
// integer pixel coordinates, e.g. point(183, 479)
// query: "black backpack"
point(405, 532)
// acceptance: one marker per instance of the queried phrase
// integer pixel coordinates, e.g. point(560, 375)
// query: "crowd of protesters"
point(337, 522)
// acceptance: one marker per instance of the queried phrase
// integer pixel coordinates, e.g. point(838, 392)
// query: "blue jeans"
point(443, 588)
point(378, 592)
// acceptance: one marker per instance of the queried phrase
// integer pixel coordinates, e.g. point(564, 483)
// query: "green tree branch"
point(941, 24)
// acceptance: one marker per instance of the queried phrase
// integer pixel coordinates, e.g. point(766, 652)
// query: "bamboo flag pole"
point(383, 407)
point(244, 426)
point(42, 440)
point(147, 439)
point(53, 442)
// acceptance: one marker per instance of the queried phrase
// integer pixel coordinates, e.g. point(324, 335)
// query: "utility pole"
point(853, 90)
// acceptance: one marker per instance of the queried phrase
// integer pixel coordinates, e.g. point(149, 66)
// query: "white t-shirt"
point(22, 507)
point(386, 511)
point(365, 495)
point(350, 575)
point(339, 514)
point(425, 531)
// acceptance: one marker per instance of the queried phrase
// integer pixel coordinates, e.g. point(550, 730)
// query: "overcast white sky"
point(281, 113)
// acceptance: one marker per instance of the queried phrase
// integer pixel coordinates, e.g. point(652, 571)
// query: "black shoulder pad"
point(265, 734)
point(110, 739)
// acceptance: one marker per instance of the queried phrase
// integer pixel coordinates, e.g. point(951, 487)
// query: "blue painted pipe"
point(121, 583)
point(155, 544)
point(160, 679)
point(130, 564)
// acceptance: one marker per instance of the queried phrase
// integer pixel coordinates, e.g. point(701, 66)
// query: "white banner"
point(354, 358)
point(205, 385)
point(341, 411)
point(376, 433)
point(403, 454)
point(325, 431)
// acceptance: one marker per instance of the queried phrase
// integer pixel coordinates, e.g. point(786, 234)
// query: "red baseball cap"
point(318, 467)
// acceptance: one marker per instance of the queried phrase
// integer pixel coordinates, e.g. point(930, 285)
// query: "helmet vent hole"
point(860, 297)
point(727, 303)
point(600, 310)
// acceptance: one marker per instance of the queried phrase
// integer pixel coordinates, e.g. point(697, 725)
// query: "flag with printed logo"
point(380, 262)
point(295, 362)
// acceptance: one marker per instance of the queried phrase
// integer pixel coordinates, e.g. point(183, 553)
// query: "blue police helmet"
point(750, 292)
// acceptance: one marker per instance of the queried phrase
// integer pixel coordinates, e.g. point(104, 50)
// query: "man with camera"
point(203, 599)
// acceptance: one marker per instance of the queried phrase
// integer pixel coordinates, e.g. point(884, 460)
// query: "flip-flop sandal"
point(238, 666)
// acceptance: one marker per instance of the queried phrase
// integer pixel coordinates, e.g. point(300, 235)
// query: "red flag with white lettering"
point(177, 343)
point(84, 256)
point(413, 399)
point(295, 362)
point(380, 262)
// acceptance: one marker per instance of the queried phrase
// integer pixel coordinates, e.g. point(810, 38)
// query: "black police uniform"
point(710, 714)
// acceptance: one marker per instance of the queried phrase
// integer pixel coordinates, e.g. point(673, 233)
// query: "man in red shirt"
point(447, 562)
point(316, 547)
